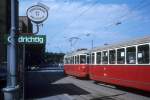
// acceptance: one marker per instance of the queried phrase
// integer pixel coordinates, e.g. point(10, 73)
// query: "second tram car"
point(125, 64)
point(76, 63)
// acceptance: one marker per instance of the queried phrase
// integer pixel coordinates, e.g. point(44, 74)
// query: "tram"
point(75, 63)
point(124, 64)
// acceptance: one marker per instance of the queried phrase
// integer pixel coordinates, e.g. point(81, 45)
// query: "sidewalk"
point(58, 97)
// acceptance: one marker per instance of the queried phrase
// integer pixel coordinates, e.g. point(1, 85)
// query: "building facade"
point(31, 50)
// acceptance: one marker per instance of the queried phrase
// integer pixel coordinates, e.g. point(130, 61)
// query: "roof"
point(77, 53)
point(143, 40)
point(124, 44)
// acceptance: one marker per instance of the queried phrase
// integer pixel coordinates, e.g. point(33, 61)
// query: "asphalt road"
point(47, 83)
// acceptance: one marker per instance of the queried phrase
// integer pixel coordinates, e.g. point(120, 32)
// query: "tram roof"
point(124, 44)
point(77, 53)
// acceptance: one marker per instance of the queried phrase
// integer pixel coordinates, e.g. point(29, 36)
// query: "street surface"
point(53, 85)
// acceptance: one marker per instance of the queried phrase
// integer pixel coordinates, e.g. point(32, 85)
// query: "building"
point(25, 25)
point(31, 51)
point(4, 29)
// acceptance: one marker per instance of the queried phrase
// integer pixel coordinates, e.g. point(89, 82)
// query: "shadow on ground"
point(39, 85)
point(37, 91)
point(135, 91)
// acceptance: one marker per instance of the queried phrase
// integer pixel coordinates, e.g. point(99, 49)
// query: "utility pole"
point(10, 92)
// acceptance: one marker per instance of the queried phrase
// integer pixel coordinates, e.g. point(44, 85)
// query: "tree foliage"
point(53, 58)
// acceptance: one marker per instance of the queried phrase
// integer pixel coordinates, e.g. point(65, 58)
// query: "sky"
point(74, 24)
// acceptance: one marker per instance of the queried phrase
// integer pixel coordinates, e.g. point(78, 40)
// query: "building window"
point(98, 57)
point(143, 54)
point(121, 56)
point(131, 55)
point(105, 57)
point(93, 58)
point(82, 59)
point(112, 57)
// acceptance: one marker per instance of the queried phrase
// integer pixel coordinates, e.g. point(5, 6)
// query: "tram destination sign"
point(31, 39)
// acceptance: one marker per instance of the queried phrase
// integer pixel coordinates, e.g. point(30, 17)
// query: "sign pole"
point(24, 57)
point(10, 92)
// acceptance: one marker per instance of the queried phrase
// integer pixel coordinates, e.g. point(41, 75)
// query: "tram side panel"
point(135, 76)
point(78, 70)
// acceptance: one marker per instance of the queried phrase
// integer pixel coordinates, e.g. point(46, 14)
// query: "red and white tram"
point(125, 64)
point(75, 64)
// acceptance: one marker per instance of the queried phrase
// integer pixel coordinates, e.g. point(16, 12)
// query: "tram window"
point(73, 60)
point(98, 57)
point(82, 59)
point(65, 61)
point(93, 58)
point(105, 57)
point(121, 56)
point(70, 60)
point(131, 55)
point(143, 54)
point(78, 59)
point(112, 56)
point(88, 59)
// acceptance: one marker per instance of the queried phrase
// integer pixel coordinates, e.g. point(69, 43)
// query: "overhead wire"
point(82, 13)
point(138, 27)
point(78, 16)
point(140, 5)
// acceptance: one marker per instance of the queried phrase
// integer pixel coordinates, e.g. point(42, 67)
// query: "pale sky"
point(103, 21)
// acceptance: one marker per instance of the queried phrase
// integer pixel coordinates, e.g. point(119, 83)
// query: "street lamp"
point(10, 92)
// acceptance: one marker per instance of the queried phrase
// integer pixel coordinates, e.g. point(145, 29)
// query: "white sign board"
point(37, 13)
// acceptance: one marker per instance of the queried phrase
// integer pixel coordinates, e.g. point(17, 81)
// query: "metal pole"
point(10, 92)
point(24, 52)
point(37, 29)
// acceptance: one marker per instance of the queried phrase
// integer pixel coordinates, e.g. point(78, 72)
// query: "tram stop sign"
point(31, 39)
